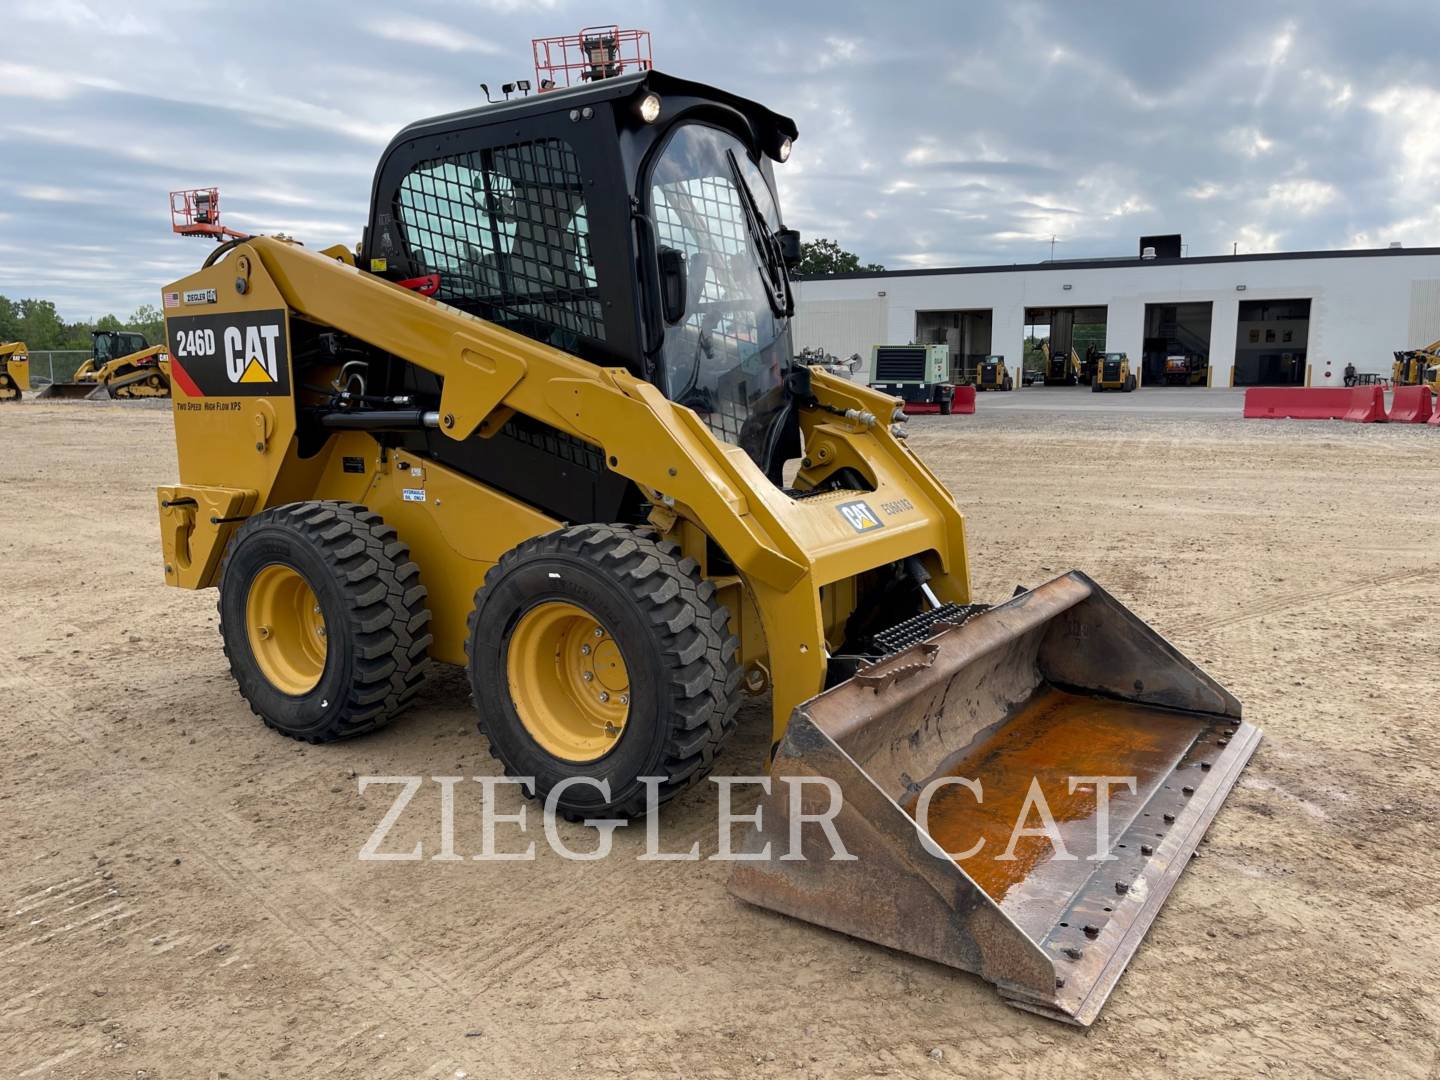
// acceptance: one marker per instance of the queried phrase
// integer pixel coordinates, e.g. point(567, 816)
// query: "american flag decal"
point(172, 299)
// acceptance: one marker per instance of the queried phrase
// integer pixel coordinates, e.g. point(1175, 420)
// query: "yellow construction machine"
point(1418, 367)
point(992, 374)
point(14, 370)
point(121, 365)
point(544, 423)
point(1112, 372)
point(1061, 370)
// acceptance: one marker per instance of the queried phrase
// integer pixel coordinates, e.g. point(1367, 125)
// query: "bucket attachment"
point(1057, 685)
point(72, 391)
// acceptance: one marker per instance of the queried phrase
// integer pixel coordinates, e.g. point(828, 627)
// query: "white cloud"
point(1301, 196)
point(1256, 238)
point(1250, 141)
point(76, 15)
point(1411, 115)
point(22, 80)
point(433, 35)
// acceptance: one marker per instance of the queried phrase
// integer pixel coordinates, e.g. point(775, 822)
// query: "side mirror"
point(674, 285)
point(789, 247)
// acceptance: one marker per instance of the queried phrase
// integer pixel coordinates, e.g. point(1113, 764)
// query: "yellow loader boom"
point(484, 438)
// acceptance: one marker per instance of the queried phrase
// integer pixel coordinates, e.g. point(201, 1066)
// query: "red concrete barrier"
point(1411, 405)
point(1435, 418)
point(1361, 403)
point(1368, 405)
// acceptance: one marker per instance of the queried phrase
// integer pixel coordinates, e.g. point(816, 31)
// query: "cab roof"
point(765, 121)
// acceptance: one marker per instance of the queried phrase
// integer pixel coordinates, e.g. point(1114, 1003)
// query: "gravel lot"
point(180, 893)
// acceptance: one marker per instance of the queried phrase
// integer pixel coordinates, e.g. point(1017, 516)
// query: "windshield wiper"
point(777, 283)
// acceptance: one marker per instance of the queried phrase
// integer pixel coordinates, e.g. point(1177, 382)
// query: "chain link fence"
point(55, 365)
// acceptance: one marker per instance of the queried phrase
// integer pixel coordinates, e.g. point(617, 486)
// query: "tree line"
point(39, 325)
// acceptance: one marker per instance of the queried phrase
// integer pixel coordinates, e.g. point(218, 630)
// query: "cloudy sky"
point(932, 134)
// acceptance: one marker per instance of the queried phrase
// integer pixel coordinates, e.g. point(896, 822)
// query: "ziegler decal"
point(860, 516)
point(241, 355)
point(200, 296)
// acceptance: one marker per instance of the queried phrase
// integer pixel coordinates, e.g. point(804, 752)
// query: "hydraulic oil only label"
point(245, 354)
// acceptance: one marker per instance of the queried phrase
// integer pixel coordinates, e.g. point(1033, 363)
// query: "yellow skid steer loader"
point(14, 370)
point(121, 365)
point(545, 424)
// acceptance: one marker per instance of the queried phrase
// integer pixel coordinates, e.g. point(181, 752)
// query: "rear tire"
point(323, 619)
point(9, 388)
point(947, 405)
point(677, 671)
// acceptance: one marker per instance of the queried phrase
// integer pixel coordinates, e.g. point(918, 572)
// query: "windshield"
point(726, 357)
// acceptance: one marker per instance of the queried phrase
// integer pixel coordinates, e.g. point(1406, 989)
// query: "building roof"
point(1124, 263)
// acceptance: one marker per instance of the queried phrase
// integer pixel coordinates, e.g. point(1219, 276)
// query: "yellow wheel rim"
point(286, 629)
point(568, 681)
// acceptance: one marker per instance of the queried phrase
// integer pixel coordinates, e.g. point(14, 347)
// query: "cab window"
point(506, 230)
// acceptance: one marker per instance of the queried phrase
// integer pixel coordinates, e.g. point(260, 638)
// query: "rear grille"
point(900, 362)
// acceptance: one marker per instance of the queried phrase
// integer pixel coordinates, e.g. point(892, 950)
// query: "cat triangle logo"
point(255, 373)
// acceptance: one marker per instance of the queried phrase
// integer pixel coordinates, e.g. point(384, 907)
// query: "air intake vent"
point(900, 363)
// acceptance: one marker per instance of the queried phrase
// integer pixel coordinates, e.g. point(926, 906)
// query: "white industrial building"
point(1274, 319)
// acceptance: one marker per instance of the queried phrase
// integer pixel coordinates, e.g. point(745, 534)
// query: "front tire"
point(947, 404)
point(323, 619)
point(598, 652)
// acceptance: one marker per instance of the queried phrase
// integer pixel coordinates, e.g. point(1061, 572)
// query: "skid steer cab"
point(545, 423)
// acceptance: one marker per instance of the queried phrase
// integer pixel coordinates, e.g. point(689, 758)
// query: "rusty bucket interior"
point(1030, 704)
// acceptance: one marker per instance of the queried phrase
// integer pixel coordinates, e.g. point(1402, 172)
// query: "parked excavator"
point(544, 423)
point(14, 370)
point(121, 365)
point(1417, 367)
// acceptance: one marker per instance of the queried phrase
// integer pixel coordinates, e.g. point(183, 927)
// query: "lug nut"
point(1122, 887)
point(599, 632)
point(587, 675)
point(1187, 790)
point(1092, 931)
point(1169, 818)
point(1146, 849)
point(624, 699)
point(604, 697)
point(1074, 953)
point(584, 650)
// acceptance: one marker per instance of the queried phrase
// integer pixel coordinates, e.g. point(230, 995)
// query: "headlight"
point(784, 152)
point(649, 108)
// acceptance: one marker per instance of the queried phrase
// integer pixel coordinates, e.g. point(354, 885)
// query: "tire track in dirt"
point(1293, 601)
point(315, 913)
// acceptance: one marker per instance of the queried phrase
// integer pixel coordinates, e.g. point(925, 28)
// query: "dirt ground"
point(180, 893)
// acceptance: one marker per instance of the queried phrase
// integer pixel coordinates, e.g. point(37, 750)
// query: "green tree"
point(821, 257)
point(149, 321)
point(9, 320)
point(40, 325)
